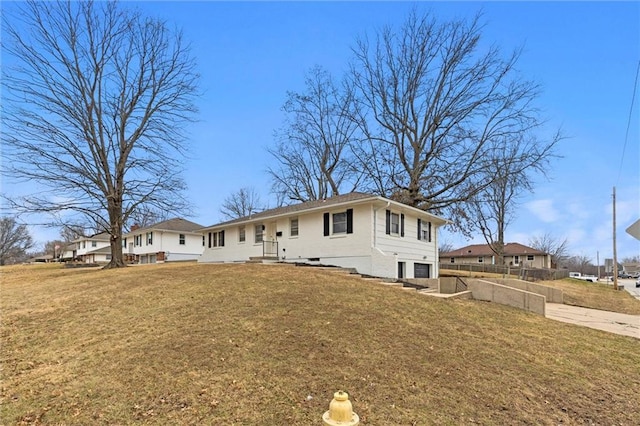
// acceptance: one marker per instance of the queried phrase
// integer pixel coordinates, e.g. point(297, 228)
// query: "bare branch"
point(95, 111)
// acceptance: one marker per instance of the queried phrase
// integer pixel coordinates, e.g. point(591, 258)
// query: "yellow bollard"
point(340, 411)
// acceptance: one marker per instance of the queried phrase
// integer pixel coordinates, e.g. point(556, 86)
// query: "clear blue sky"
point(585, 55)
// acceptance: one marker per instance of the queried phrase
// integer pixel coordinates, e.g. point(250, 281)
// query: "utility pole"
point(615, 251)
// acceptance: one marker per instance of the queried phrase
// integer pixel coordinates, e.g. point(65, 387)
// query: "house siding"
point(167, 242)
point(363, 245)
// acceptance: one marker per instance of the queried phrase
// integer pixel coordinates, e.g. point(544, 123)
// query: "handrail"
point(269, 248)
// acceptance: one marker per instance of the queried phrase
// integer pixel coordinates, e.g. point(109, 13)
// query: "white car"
point(637, 282)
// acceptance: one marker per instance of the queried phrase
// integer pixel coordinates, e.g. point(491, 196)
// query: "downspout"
point(375, 222)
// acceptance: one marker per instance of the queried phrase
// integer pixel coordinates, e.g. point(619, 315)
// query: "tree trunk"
point(115, 222)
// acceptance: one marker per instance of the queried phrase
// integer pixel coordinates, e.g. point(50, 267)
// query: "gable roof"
point(177, 224)
point(338, 200)
point(476, 250)
point(101, 236)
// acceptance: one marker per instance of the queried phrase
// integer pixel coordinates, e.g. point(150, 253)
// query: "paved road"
point(628, 283)
point(613, 322)
point(630, 286)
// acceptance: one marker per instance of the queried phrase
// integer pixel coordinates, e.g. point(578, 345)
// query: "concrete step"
point(263, 259)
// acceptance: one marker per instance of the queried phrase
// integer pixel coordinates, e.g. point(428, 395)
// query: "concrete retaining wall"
point(505, 295)
point(552, 295)
point(447, 285)
point(427, 282)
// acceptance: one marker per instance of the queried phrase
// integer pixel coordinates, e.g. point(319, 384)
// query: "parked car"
point(624, 275)
point(638, 283)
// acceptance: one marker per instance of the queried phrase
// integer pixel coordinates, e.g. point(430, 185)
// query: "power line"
point(626, 136)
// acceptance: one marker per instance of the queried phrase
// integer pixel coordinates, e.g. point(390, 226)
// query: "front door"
point(270, 243)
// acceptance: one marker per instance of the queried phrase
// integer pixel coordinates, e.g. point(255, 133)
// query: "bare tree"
point(445, 247)
point(242, 203)
point(69, 233)
point(94, 112)
point(15, 241)
point(145, 215)
point(54, 248)
point(434, 109)
point(554, 246)
point(311, 152)
point(513, 165)
point(580, 264)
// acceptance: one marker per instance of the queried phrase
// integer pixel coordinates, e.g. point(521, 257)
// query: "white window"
point(218, 239)
point(480, 259)
point(94, 244)
point(181, 239)
point(242, 234)
point(124, 243)
point(452, 260)
point(203, 240)
point(516, 260)
point(149, 238)
point(340, 223)
point(395, 223)
point(293, 227)
point(259, 232)
point(530, 257)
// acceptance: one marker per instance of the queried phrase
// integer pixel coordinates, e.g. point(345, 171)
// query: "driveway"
point(613, 322)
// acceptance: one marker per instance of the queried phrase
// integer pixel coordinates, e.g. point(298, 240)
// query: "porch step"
point(263, 259)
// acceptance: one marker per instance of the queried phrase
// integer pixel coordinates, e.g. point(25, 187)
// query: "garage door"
point(421, 270)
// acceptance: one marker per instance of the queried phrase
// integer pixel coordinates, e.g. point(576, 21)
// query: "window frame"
point(294, 231)
point(259, 227)
point(182, 239)
point(394, 223)
point(339, 223)
point(217, 239)
point(242, 234)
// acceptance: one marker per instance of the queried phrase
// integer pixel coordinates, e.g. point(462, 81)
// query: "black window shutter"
point(209, 239)
point(221, 238)
point(326, 224)
point(429, 231)
point(387, 229)
point(401, 225)
point(349, 221)
point(419, 229)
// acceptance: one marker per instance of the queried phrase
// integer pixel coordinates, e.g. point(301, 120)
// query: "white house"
point(374, 235)
point(168, 241)
point(94, 249)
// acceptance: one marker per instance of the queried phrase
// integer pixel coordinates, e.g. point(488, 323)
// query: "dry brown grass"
point(576, 292)
point(597, 296)
point(249, 344)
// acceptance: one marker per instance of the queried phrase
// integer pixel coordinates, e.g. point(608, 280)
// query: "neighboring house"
point(630, 268)
point(94, 249)
point(515, 254)
point(168, 241)
point(374, 235)
point(68, 253)
point(47, 258)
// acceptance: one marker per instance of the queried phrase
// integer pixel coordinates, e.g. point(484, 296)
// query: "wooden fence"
point(529, 274)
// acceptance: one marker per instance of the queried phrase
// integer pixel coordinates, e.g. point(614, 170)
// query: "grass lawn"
point(269, 344)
